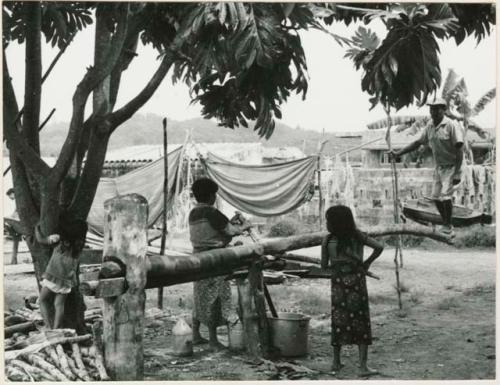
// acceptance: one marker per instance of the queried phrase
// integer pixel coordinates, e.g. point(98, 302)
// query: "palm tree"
point(454, 91)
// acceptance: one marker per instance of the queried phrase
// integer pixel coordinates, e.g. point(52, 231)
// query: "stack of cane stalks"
point(54, 355)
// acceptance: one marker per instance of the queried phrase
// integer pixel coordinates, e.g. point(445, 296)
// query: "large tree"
point(241, 60)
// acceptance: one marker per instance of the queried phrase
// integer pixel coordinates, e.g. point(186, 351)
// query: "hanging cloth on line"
point(263, 190)
point(146, 181)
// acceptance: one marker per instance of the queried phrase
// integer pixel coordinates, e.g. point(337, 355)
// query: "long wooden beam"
point(172, 270)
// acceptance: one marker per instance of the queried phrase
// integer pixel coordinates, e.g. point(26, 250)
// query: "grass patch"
point(378, 299)
point(288, 227)
point(306, 300)
point(447, 303)
point(479, 289)
point(407, 241)
point(416, 296)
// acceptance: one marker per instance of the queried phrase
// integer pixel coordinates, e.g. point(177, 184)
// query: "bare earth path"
point(446, 329)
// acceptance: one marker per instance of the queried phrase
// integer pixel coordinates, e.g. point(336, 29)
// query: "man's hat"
point(438, 102)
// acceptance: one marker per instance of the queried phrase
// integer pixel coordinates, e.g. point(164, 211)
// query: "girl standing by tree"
point(60, 276)
point(342, 251)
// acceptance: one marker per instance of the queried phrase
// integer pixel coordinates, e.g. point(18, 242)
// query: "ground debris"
point(285, 370)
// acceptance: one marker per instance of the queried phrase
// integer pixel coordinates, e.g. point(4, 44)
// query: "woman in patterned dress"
point(342, 251)
point(211, 229)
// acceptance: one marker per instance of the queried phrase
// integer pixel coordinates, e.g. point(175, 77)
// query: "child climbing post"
point(60, 276)
point(342, 252)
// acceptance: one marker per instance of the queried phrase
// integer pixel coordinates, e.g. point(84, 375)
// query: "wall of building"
point(372, 192)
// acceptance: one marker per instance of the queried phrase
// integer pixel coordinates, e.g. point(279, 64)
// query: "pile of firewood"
point(56, 355)
point(19, 322)
point(32, 354)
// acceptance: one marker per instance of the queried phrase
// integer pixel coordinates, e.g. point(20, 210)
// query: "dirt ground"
point(446, 329)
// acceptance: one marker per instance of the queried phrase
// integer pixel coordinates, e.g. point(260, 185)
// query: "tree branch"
point(87, 185)
point(118, 117)
point(39, 129)
point(25, 203)
point(128, 53)
point(83, 145)
point(91, 80)
point(33, 75)
point(15, 141)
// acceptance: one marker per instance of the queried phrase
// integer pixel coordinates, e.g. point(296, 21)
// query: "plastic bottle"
point(183, 338)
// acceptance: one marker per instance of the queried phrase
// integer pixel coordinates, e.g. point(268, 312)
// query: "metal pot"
point(290, 334)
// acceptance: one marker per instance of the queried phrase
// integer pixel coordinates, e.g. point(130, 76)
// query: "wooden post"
point(395, 191)
point(256, 281)
point(125, 238)
point(165, 203)
point(15, 248)
point(252, 310)
point(320, 195)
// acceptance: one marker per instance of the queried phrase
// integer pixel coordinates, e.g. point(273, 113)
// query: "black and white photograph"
point(249, 191)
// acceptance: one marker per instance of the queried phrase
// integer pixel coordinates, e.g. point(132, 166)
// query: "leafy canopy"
point(243, 60)
point(404, 67)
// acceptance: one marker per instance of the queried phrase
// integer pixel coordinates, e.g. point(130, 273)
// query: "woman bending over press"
point(342, 252)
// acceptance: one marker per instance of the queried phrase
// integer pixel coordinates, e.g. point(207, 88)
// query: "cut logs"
point(24, 327)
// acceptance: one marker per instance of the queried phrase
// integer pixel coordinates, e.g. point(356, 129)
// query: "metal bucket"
point(290, 334)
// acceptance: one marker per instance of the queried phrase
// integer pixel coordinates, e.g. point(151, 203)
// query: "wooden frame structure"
point(123, 289)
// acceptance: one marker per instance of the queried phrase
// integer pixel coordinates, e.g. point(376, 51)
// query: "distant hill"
point(147, 129)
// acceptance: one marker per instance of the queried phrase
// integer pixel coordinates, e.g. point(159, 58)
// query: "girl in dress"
point(342, 252)
point(60, 276)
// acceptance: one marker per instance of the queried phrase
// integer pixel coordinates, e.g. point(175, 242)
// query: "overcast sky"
point(334, 100)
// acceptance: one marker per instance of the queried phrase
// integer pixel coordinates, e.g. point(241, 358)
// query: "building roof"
point(139, 153)
point(285, 153)
point(245, 153)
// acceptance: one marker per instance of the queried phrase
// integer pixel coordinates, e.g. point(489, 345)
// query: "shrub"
point(284, 228)
point(402, 287)
point(475, 236)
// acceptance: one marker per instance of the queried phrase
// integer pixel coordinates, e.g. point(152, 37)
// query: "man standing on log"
point(445, 138)
point(210, 229)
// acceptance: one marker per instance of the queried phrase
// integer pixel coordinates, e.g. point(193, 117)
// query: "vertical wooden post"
point(165, 203)
point(320, 193)
point(15, 248)
point(125, 237)
point(252, 308)
point(256, 280)
point(395, 191)
point(248, 318)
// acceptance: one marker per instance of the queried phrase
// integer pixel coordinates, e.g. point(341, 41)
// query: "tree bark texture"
point(125, 238)
point(249, 318)
point(256, 281)
point(33, 75)
point(38, 187)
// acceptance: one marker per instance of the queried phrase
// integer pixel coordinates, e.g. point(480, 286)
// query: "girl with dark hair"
point(342, 252)
point(60, 276)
